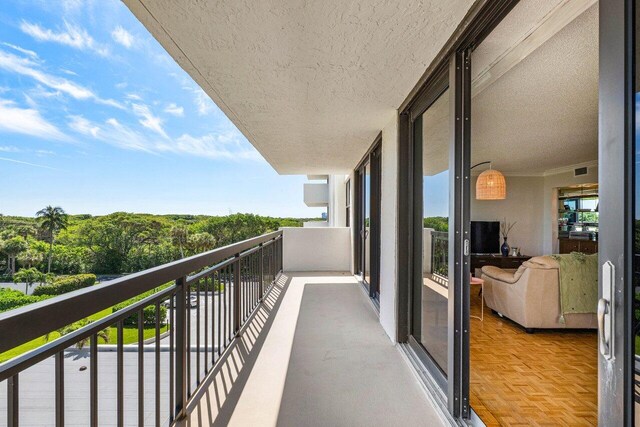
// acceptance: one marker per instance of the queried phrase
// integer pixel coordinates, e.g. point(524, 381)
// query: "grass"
point(129, 335)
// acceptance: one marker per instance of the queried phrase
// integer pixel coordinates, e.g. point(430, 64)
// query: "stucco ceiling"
point(540, 115)
point(309, 83)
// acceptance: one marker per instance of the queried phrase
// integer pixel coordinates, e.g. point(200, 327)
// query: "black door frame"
point(616, 161)
point(373, 158)
point(483, 17)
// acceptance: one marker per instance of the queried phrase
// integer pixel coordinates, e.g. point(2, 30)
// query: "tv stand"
point(480, 260)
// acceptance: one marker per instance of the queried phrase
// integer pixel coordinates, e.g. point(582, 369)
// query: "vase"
point(505, 248)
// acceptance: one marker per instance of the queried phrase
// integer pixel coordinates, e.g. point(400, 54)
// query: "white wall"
point(316, 249)
point(551, 184)
point(388, 227)
point(337, 200)
point(532, 201)
point(524, 204)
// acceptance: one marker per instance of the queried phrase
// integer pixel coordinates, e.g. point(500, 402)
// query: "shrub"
point(209, 285)
point(10, 299)
point(65, 284)
point(148, 313)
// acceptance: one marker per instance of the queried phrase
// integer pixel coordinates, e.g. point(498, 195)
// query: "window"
point(348, 204)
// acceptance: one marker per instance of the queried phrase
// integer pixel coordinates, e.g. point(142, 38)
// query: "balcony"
point(243, 342)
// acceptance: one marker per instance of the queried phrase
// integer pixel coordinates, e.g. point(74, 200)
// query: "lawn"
point(129, 334)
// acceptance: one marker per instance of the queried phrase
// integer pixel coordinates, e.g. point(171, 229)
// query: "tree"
point(201, 242)
point(102, 334)
point(179, 236)
point(51, 221)
point(12, 248)
point(30, 257)
point(28, 276)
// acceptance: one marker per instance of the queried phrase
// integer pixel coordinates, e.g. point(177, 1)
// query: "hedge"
point(148, 313)
point(66, 284)
point(10, 299)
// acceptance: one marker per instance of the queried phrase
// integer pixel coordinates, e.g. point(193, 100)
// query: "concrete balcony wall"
point(316, 249)
point(316, 195)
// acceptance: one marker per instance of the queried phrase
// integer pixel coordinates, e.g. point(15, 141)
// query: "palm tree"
point(179, 236)
point(51, 221)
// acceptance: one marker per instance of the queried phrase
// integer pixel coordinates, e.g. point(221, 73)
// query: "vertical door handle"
point(606, 317)
point(603, 342)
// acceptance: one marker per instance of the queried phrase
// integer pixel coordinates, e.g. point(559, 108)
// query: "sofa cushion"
point(541, 262)
point(507, 276)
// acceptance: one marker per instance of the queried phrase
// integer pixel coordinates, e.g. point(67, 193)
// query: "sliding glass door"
point(619, 244)
point(368, 179)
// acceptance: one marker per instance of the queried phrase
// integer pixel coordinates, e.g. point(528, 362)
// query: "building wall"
point(532, 202)
point(524, 204)
point(389, 229)
point(551, 184)
point(316, 249)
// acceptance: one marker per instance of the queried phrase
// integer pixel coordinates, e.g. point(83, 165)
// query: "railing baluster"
point(220, 294)
point(188, 338)
point(171, 350)
point(181, 372)
point(59, 384)
point(260, 271)
point(13, 402)
point(207, 283)
point(237, 278)
point(141, 368)
point(198, 332)
point(93, 379)
point(157, 356)
point(120, 373)
point(228, 307)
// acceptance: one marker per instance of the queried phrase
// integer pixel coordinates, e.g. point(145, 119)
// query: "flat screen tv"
point(485, 237)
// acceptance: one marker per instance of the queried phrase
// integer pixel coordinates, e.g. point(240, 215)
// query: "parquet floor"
point(541, 379)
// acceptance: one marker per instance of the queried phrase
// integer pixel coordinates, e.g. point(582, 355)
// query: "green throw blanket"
point(578, 283)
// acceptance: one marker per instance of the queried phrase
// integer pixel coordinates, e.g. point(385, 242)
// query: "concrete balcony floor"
point(315, 354)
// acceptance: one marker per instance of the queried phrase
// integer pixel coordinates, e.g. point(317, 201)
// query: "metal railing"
point(217, 290)
point(440, 253)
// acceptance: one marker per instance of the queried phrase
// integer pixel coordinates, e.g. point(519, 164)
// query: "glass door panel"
point(431, 326)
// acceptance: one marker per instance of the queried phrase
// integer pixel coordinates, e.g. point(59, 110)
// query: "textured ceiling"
point(309, 83)
point(541, 115)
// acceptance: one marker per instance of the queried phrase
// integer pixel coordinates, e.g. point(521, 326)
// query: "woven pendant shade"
point(491, 185)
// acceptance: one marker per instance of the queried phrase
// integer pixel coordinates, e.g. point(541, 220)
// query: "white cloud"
point(29, 68)
point(203, 102)
point(4, 159)
point(27, 52)
point(71, 35)
point(174, 109)
point(133, 96)
point(27, 121)
point(222, 145)
point(149, 120)
point(122, 36)
point(9, 149)
point(83, 126)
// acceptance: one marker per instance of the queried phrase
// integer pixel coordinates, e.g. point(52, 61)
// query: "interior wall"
point(532, 201)
point(551, 184)
point(389, 229)
point(524, 204)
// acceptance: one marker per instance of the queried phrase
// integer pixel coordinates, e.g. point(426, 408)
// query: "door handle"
point(605, 312)
point(603, 342)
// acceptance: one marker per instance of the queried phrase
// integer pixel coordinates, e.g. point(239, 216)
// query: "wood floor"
point(541, 379)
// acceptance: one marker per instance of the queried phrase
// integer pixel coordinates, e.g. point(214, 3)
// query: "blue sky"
point(96, 117)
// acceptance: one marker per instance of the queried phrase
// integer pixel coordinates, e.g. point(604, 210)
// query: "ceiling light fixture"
point(491, 184)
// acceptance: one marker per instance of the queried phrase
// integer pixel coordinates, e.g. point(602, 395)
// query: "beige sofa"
point(530, 296)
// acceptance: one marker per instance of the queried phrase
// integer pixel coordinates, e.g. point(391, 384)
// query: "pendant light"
point(491, 184)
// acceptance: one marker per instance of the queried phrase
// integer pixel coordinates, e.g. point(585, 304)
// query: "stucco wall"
point(524, 204)
point(532, 202)
point(316, 249)
point(388, 221)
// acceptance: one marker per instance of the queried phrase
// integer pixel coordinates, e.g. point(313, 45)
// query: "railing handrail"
point(32, 321)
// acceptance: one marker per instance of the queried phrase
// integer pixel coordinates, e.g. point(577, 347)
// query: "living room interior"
point(534, 180)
